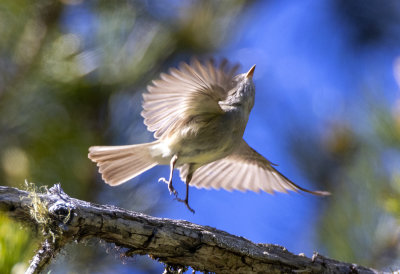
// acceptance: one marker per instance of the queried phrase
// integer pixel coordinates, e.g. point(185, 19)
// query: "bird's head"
point(242, 92)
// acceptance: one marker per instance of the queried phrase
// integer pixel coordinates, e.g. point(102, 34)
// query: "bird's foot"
point(170, 187)
point(186, 202)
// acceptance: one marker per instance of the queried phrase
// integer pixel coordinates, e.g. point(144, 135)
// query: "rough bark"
point(43, 256)
point(173, 242)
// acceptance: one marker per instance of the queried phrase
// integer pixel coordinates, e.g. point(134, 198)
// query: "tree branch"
point(43, 256)
point(175, 243)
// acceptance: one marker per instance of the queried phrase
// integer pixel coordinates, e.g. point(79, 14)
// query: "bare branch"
point(176, 243)
point(43, 256)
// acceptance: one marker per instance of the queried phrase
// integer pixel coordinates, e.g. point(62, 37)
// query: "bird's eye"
point(234, 81)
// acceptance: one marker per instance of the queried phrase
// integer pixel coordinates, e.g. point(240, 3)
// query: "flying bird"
point(198, 113)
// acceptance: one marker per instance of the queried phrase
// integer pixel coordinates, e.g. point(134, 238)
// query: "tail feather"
point(118, 164)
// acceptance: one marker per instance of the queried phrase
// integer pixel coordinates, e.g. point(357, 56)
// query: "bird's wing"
point(190, 90)
point(245, 169)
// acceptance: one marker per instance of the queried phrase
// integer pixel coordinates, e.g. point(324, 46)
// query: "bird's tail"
point(118, 164)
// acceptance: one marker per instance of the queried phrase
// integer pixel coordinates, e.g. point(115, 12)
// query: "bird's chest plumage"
point(204, 139)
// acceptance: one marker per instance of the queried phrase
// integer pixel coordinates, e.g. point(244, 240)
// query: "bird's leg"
point(171, 170)
point(188, 179)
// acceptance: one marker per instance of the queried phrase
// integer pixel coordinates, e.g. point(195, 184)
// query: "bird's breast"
point(203, 140)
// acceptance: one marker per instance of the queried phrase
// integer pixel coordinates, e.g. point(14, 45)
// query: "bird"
point(198, 113)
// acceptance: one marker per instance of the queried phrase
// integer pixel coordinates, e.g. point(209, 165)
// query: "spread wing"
point(245, 169)
point(189, 90)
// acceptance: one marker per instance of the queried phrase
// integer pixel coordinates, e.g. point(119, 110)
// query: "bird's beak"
point(249, 74)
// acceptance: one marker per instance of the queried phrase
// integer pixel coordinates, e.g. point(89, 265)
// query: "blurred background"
point(327, 111)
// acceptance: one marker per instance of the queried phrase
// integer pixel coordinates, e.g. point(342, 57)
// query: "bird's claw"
point(186, 203)
point(170, 187)
point(172, 190)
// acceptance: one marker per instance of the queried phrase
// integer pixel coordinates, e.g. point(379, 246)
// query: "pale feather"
point(184, 92)
point(118, 164)
point(244, 169)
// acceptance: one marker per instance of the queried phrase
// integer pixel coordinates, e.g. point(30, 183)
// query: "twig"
point(43, 256)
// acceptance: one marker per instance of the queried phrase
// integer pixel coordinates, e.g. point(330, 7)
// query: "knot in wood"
point(62, 211)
